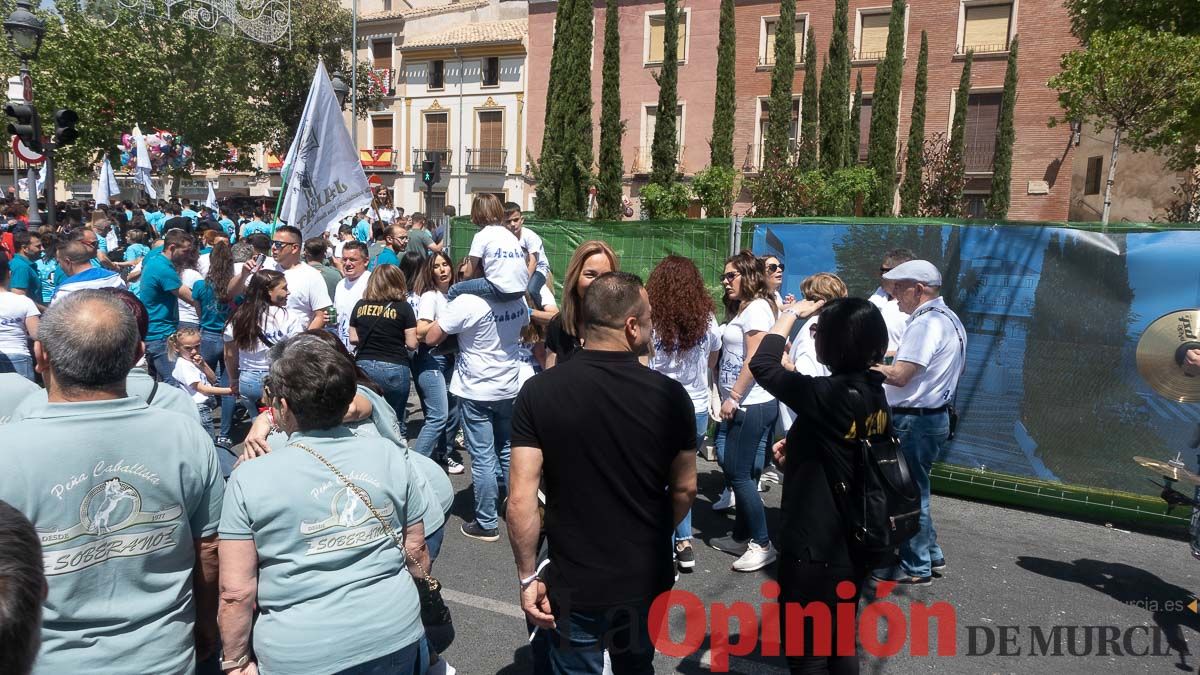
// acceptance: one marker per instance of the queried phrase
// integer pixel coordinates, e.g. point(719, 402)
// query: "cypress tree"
point(854, 140)
point(910, 190)
point(958, 129)
point(550, 160)
point(810, 128)
point(721, 145)
point(576, 114)
point(997, 205)
point(608, 192)
point(664, 152)
point(885, 112)
point(776, 150)
point(835, 93)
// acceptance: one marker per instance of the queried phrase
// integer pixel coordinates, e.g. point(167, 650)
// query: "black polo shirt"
point(609, 429)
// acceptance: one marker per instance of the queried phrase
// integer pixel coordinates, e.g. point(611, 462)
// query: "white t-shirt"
point(895, 319)
point(204, 263)
point(935, 339)
point(432, 304)
point(690, 368)
point(347, 295)
point(279, 324)
point(307, 291)
point(187, 375)
point(532, 243)
point(489, 334)
point(757, 316)
point(187, 311)
point(503, 258)
point(804, 355)
point(14, 309)
point(547, 297)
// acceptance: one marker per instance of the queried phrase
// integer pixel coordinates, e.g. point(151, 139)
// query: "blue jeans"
point(432, 374)
point(433, 541)
point(400, 662)
point(212, 350)
point(20, 364)
point(487, 427)
point(483, 288)
point(536, 281)
point(922, 438)
point(250, 386)
point(577, 645)
point(157, 356)
point(741, 467)
point(394, 379)
point(683, 531)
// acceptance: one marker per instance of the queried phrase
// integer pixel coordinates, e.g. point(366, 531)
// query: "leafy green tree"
point(612, 128)
point(1140, 84)
point(998, 200)
point(807, 157)
point(777, 148)
point(854, 142)
point(714, 187)
point(721, 144)
point(1157, 16)
point(885, 112)
point(549, 168)
point(835, 93)
point(956, 160)
point(910, 189)
point(664, 152)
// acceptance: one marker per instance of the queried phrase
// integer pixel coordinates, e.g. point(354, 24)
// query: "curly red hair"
point(680, 305)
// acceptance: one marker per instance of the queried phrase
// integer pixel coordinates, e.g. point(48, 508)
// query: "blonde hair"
point(572, 303)
point(823, 286)
point(173, 340)
point(486, 210)
point(386, 284)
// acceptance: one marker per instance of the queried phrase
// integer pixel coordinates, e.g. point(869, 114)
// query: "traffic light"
point(65, 133)
point(25, 124)
point(430, 171)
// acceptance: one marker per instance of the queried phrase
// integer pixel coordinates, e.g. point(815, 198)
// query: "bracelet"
point(534, 577)
point(791, 311)
point(737, 398)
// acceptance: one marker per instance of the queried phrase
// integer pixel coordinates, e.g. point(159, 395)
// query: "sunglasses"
point(775, 267)
point(280, 244)
point(729, 276)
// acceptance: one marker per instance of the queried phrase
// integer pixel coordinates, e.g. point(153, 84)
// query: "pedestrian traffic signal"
point(430, 171)
point(25, 124)
point(65, 133)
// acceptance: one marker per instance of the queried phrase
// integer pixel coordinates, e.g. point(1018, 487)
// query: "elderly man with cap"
point(921, 386)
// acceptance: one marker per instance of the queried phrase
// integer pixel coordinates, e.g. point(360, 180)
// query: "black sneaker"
point(474, 531)
point(730, 545)
point(938, 565)
point(685, 557)
point(906, 580)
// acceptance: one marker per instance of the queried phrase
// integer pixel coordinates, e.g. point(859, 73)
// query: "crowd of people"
point(249, 470)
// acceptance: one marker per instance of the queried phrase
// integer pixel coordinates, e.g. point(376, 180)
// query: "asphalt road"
point(1030, 582)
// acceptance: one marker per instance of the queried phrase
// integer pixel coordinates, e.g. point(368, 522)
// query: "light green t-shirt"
point(138, 384)
point(118, 491)
point(333, 588)
point(14, 388)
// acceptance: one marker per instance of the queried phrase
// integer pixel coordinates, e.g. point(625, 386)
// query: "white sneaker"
point(772, 475)
point(441, 668)
point(453, 467)
point(727, 501)
point(755, 558)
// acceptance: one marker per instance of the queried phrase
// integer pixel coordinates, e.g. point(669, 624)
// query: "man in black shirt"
point(176, 220)
point(615, 443)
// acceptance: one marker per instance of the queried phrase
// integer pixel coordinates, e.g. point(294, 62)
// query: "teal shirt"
point(118, 518)
point(25, 277)
point(156, 219)
point(227, 225)
point(14, 388)
point(138, 384)
point(188, 213)
point(386, 257)
point(134, 252)
point(256, 227)
point(48, 275)
point(157, 292)
point(332, 586)
point(213, 312)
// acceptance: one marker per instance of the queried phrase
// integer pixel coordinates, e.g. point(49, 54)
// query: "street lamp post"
point(25, 31)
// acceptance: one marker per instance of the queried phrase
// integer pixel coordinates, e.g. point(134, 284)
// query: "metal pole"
point(354, 76)
point(35, 218)
point(50, 215)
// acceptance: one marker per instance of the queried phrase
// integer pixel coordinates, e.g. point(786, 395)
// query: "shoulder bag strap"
point(362, 340)
point(366, 500)
point(962, 344)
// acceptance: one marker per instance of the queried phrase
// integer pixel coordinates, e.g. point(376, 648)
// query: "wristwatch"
point(230, 665)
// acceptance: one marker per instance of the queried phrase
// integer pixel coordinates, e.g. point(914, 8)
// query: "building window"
point(435, 205)
point(977, 208)
point(381, 132)
point(793, 129)
point(489, 154)
point(872, 34)
point(656, 25)
point(1091, 183)
point(387, 5)
point(864, 128)
point(766, 56)
point(983, 119)
point(437, 131)
point(437, 74)
point(381, 54)
point(491, 71)
point(986, 27)
point(643, 161)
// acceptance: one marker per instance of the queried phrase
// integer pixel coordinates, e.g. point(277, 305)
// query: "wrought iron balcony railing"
point(487, 160)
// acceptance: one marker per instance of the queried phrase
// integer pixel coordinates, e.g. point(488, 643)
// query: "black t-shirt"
point(177, 222)
point(380, 327)
point(609, 429)
point(821, 449)
point(563, 344)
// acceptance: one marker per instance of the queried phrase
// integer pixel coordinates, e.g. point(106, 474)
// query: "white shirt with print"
point(503, 258)
point(347, 295)
point(757, 316)
point(690, 367)
point(279, 323)
point(14, 309)
point(307, 291)
point(488, 365)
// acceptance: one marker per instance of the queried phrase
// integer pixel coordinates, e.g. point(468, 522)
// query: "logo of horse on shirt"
point(353, 520)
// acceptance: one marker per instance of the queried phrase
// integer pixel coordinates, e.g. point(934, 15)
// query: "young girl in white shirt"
point(194, 375)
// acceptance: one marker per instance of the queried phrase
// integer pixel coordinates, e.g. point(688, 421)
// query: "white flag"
point(41, 178)
point(211, 200)
point(324, 178)
point(108, 187)
point(143, 162)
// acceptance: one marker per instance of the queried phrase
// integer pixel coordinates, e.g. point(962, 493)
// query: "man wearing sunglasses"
point(882, 298)
point(308, 293)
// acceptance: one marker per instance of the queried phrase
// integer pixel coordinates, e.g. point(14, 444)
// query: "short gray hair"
point(91, 339)
point(318, 382)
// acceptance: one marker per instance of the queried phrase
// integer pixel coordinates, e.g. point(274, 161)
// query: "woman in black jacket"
point(815, 549)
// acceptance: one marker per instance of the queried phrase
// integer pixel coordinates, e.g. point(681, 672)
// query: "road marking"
point(480, 602)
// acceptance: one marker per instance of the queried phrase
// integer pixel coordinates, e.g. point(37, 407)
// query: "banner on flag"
point(323, 179)
point(143, 162)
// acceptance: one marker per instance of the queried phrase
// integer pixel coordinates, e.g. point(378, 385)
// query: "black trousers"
point(803, 582)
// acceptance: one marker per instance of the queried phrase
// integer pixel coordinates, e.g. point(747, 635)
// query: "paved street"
point(1006, 568)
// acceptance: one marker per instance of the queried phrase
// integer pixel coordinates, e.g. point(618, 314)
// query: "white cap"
point(920, 271)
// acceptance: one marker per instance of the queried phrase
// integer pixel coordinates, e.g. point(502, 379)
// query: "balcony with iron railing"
point(869, 56)
point(977, 157)
point(643, 160)
point(419, 155)
point(768, 59)
point(382, 80)
point(487, 160)
point(981, 48)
